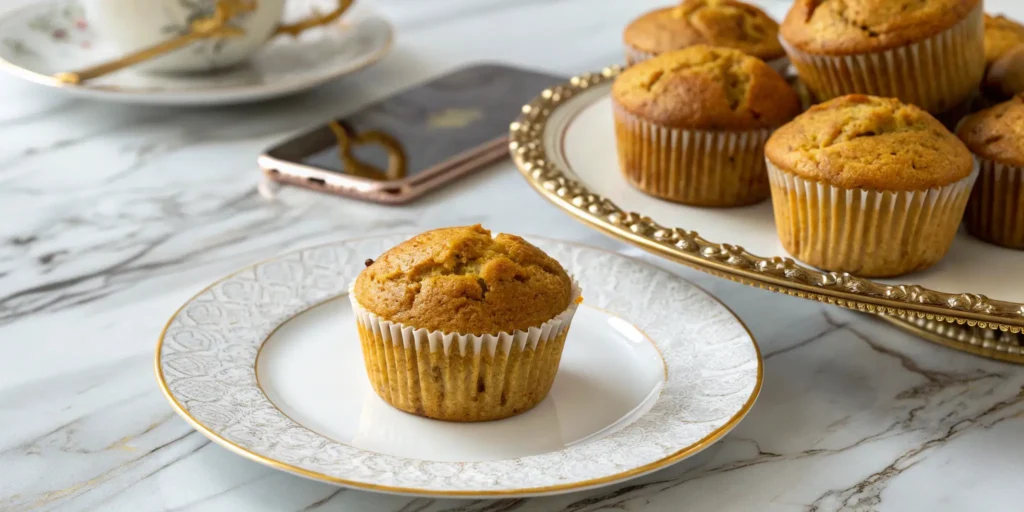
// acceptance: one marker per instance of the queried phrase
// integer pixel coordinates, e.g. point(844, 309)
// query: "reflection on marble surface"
point(114, 215)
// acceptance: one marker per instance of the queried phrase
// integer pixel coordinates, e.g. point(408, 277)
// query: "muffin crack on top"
point(840, 27)
point(716, 18)
point(860, 141)
point(727, 65)
point(723, 23)
point(465, 281)
point(705, 87)
point(862, 25)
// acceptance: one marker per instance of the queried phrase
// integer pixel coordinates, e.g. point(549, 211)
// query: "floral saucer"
point(267, 363)
point(44, 38)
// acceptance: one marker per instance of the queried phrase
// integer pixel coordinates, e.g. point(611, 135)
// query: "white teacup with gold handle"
point(138, 26)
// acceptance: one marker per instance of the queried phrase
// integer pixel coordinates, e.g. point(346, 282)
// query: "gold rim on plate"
point(777, 274)
point(677, 456)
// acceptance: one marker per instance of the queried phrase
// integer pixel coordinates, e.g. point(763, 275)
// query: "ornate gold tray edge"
point(990, 343)
point(907, 303)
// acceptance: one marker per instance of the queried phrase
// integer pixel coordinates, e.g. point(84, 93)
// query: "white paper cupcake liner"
point(696, 167)
point(995, 212)
point(868, 233)
point(936, 74)
point(462, 377)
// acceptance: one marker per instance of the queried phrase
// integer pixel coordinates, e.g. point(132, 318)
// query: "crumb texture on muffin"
point(461, 280)
point(725, 23)
point(859, 141)
point(706, 88)
point(997, 133)
point(1001, 34)
point(844, 27)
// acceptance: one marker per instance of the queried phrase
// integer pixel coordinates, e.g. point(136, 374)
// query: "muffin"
point(928, 53)
point(868, 185)
point(1005, 77)
point(1001, 34)
point(690, 125)
point(995, 212)
point(725, 23)
point(1004, 59)
point(458, 325)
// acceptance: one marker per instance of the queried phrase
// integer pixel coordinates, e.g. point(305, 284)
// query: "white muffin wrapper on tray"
point(871, 233)
point(937, 74)
point(995, 212)
point(698, 167)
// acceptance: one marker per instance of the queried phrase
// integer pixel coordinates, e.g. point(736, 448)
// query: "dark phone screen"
point(438, 120)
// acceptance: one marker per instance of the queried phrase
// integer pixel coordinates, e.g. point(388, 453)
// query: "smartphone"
point(415, 141)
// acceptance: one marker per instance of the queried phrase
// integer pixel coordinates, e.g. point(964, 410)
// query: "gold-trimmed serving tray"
point(916, 306)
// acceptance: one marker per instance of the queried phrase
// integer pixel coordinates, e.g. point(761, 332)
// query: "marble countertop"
point(114, 215)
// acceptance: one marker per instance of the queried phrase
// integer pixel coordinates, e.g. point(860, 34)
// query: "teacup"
point(134, 25)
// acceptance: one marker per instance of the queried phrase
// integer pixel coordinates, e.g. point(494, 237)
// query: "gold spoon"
point(213, 26)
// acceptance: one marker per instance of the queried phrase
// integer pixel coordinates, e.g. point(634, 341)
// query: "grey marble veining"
point(114, 215)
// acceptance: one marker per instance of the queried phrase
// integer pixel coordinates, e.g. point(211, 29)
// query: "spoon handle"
point(213, 26)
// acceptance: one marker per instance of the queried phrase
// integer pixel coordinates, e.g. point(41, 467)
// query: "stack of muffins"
point(868, 181)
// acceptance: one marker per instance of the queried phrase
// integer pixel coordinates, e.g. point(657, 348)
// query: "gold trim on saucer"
point(588, 484)
point(777, 274)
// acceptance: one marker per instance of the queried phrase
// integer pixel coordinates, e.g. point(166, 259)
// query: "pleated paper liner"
point(700, 168)
point(995, 212)
point(936, 74)
point(634, 56)
point(865, 232)
point(462, 377)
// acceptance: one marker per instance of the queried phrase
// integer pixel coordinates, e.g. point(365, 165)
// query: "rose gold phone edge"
point(386, 192)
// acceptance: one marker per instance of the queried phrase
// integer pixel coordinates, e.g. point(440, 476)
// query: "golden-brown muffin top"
point(845, 27)
point(462, 280)
point(867, 142)
point(725, 23)
point(706, 88)
point(997, 133)
point(1001, 34)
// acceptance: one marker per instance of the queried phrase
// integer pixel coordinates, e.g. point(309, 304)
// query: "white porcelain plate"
point(48, 37)
point(267, 363)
